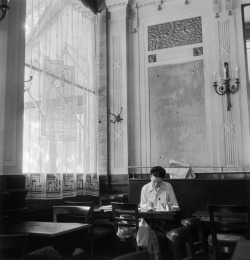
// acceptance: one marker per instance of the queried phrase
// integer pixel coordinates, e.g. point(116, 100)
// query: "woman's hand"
point(150, 205)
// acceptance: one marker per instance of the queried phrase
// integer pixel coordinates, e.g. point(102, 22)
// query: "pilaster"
point(12, 50)
point(3, 70)
point(118, 85)
point(230, 134)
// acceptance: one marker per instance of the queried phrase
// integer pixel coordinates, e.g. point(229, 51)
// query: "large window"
point(59, 141)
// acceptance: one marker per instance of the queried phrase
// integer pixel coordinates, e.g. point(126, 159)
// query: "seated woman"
point(157, 191)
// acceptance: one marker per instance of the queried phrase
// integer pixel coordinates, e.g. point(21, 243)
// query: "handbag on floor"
point(142, 235)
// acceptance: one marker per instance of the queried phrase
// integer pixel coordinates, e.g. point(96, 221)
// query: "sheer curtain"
point(59, 140)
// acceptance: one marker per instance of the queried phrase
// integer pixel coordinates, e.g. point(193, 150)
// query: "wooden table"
point(167, 215)
point(204, 215)
point(242, 250)
point(173, 216)
point(52, 233)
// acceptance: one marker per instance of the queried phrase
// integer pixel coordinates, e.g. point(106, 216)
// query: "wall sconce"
point(186, 2)
point(118, 118)
point(4, 7)
point(226, 88)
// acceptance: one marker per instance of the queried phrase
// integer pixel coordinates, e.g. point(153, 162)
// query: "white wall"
point(227, 132)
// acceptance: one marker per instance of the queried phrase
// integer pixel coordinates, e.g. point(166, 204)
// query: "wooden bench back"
point(193, 194)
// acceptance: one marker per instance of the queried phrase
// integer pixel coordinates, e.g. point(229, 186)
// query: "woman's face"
point(156, 181)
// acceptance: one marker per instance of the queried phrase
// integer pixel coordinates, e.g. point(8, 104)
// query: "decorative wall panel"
point(216, 8)
point(177, 114)
point(175, 34)
point(231, 150)
point(117, 129)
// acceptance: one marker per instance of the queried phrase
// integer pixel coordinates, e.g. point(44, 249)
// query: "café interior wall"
point(136, 119)
point(223, 137)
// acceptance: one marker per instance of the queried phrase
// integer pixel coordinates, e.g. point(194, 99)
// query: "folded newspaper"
point(179, 170)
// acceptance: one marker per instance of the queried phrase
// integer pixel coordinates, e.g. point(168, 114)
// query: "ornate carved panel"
point(175, 34)
point(229, 6)
point(216, 8)
point(116, 4)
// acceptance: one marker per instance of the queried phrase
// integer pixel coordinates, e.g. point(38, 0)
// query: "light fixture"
point(227, 88)
point(4, 7)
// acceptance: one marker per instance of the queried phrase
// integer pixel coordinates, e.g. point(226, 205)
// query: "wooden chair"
point(74, 213)
point(78, 214)
point(93, 219)
point(198, 236)
point(81, 213)
point(14, 246)
point(229, 224)
point(139, 255)
point(181, 243)
point(126, 221)
point(103, 229)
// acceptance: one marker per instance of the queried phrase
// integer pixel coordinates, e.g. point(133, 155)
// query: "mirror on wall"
point(246, 28)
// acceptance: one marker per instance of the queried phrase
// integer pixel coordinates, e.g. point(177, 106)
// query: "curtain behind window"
point(59, 142)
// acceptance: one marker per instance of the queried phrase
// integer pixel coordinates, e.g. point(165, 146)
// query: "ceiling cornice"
point(116, 4)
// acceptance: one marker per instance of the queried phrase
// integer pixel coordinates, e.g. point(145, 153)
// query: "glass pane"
point(60, 100)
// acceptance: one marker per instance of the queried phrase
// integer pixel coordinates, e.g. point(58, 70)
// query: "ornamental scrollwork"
point(175, 34)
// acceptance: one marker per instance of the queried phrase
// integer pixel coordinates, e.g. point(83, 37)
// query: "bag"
point(126, 232)
point(142, 236)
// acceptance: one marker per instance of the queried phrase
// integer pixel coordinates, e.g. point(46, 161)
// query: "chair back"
point(126, 224)
point(90, 204)
point(80, 213)
point(139, 255)
point(229, 224)
point(125, 215)
point(181, 243)
point(14, 246)
point(198, 236)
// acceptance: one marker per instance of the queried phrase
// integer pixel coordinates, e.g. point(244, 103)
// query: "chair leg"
point(117, 246)
point(212, 253)
point(91, 243)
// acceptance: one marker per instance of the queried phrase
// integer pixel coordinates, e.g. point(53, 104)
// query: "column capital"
point(116, 4)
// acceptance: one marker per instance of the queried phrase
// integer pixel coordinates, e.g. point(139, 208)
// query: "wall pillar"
point(118, 85)
point(3, 64)
point(232, 136)
point(12, 55)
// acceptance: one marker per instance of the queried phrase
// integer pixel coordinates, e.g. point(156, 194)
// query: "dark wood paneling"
point(114, 184)
point(12, 198)
point(195, 194)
